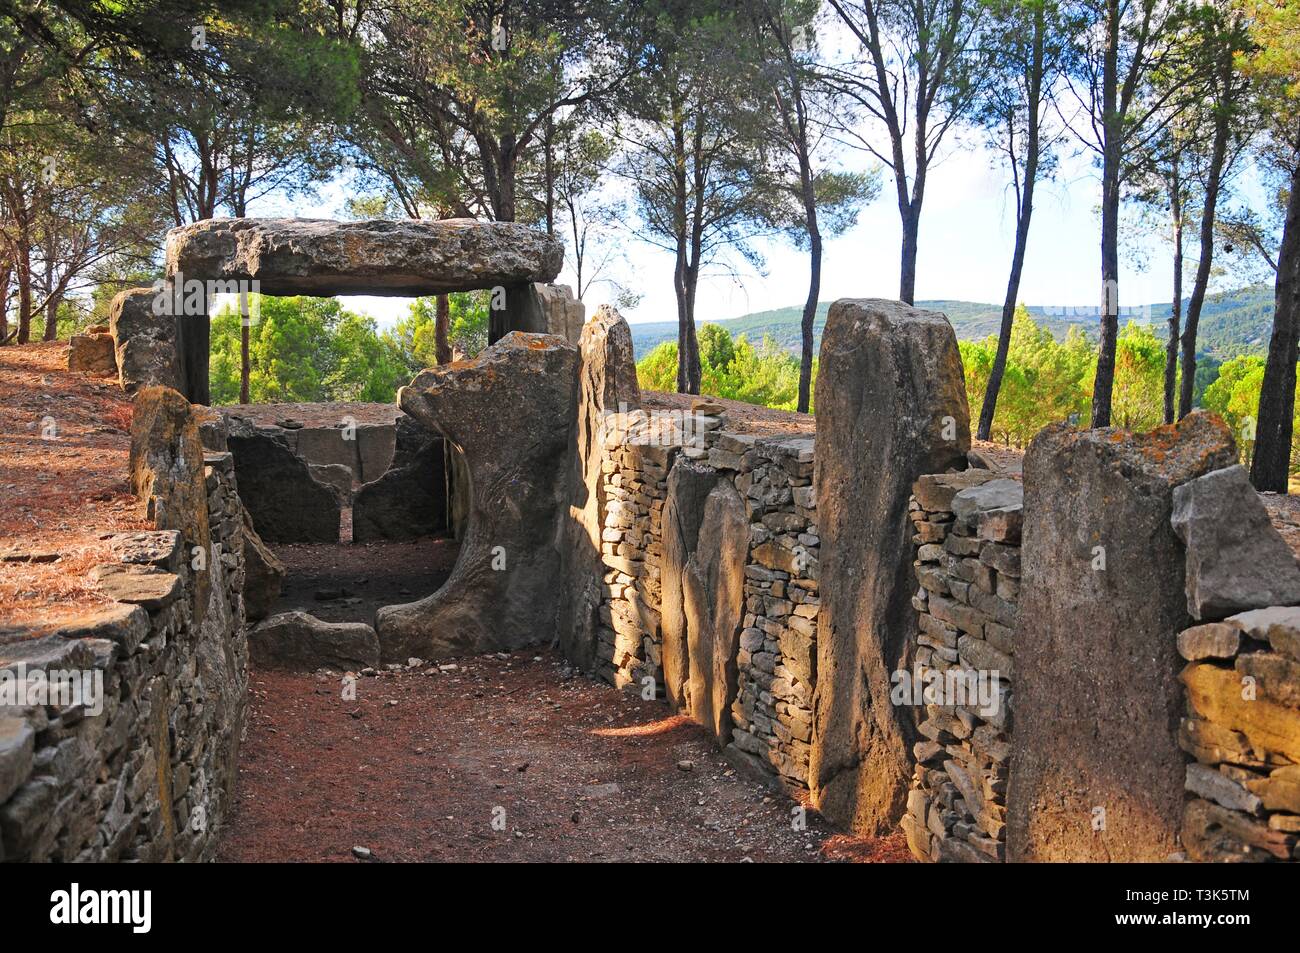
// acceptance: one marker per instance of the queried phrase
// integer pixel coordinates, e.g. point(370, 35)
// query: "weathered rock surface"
point(987, 497)
point(511, 411)
point(1236, 560)
point(143, 586)
point(145, 344)
point(321, 257)
point(565, 314)
point(1097, 692)
point(17, 742)
point(336, 476)
point(92, 354)
point(410, 500)
point(891, 406)
point(263, 573)
point(328, 446)
point(286, 503)
point(689, 486)
point(713, 597)
point(167, 474)
point(607, 379)
point(375, 447)
point(1279, 626)
point(300, 640)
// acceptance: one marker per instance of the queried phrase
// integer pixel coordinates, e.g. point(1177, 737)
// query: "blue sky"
point(965, 250)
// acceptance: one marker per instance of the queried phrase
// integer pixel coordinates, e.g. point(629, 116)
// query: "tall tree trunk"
point(51, 318)
point(1271, 466)
point(549, 170)
point(51, 299)
point(1176, 309)
point(911, 220)
point(4, 304)
point(996, 373)
point(683, 320)
point(244, 364)
point(1104, 381)
point(693, 370)
point(442, 329)
point(24, 294)
point(1024, 213)
point(1214, 176)
point(810, 311)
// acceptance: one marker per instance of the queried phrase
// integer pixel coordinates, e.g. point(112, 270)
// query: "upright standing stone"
point(891, 405)
point(1096, 773)
point(167, 475)
point(144, 343)
point(689, 486)
point(511, 410)
point(713, 595)
point(607, 385)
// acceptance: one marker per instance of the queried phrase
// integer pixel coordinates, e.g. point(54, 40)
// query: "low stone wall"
point(1242, 729)
point(149, 777)
point(766, 719)
point(634, 474)
point(1241, 724)
point(968, 569)
point(772, 713)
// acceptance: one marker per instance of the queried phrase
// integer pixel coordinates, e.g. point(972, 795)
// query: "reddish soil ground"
point(419, 764)
point(348, 582)
point(64, 444)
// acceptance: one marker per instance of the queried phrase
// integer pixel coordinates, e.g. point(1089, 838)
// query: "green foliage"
point(716, 347)
point(735, 369)
point(1234, 396)
point(1047, 381)
point(467, 332)
point(305, 350)
point(658, 369)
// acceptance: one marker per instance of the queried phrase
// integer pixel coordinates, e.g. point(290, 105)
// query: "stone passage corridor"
point(419, 765)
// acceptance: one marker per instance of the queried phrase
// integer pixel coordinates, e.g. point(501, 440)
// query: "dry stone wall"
point(751, 687)
point(146, 769)
point(968, 573)
point(1241, 723)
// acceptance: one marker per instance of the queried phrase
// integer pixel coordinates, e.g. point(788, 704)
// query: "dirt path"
point(420, 764)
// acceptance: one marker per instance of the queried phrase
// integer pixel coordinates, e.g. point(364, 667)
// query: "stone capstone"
point(1101, 599)
point(511, 411)
point(301, 641)
point(319, 257)
point(1236, 560)
point(891, 406)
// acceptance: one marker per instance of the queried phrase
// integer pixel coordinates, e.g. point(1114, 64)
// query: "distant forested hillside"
point(1231, 324)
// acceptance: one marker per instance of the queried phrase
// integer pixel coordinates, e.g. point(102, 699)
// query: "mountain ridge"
point(1232, 323)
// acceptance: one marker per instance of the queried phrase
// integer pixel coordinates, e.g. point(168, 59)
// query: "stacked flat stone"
point(968, 569)
point(1242, 720)
point(638, 453)
point(772, 713)
point(150, 778)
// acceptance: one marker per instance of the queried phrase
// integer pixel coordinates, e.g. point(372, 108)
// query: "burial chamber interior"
point(502, 421)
